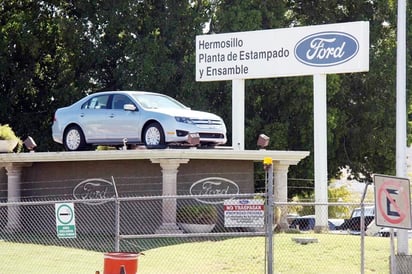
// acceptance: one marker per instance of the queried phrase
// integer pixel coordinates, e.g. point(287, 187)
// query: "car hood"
point(193, 114)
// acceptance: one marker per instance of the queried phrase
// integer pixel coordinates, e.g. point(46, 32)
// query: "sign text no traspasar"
point(322, 49)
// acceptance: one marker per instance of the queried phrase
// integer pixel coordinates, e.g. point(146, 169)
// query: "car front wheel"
point(154, 136)
point(74, 139)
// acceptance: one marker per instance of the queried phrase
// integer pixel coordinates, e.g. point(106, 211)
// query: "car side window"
point(119, 100)
point(97, 102)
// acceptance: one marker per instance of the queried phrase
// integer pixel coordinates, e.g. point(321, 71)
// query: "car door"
point(93, 116)
point(123, 123)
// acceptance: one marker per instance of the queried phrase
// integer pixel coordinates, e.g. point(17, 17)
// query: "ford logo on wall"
point(325, 49)
point(93, 189)
point(213, 186)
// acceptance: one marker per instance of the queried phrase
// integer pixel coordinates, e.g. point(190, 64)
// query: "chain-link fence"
point(56, 228)
point(157, 229)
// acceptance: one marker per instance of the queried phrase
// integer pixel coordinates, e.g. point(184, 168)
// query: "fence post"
point(362, 227)
point(268, 165)
point(117, 218)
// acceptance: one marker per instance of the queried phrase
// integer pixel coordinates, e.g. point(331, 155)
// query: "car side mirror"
point(129, 107)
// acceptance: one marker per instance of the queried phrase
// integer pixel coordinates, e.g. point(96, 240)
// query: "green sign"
point(65, 220)
point(66, 231)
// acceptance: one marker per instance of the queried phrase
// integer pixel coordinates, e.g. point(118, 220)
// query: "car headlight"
point(183, 120)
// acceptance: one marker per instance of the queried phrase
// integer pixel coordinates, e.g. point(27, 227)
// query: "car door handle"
point(111, 115)
point(81, 114)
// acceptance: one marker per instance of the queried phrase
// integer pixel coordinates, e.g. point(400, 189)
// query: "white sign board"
point(244, 213)
point(322, 49)
point(65, 220)
point(392, 202)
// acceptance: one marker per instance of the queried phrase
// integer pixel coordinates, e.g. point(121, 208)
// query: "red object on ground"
point(113, 262)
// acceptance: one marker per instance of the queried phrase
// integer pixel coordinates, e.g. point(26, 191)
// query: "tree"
point(55, 52)
point(335, 194)
point(32, 65)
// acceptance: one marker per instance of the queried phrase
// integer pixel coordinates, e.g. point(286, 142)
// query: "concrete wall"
point(138, 177)
point(58, 180)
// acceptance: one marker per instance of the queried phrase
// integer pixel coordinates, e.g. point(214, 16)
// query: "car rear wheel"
point(74, 139)
point(154, 136)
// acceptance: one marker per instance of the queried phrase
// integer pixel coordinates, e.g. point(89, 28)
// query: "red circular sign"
point(384, 193)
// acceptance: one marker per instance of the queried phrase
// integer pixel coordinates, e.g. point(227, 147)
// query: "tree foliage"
point(335, 194)
point(53, 52)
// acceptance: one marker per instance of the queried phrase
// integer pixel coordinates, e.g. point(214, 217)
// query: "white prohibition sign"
point(65, 214)
point(392, 201)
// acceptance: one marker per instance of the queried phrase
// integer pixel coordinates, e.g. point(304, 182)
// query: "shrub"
point(7, 133)
point(197, 214)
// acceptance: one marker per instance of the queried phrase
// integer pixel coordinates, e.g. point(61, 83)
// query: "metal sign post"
point(268, 165)
point(401, 111)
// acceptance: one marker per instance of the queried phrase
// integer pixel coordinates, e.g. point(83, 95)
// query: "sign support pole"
point(401, 111)
point(362, 227)
point(238, 114)
point(320, 151)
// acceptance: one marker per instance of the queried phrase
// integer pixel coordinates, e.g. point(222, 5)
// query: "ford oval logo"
point(326, 49)
point(212, 186)
point(93, 189)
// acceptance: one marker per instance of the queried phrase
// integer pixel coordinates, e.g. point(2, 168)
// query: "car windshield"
point(368, 211)
point(156, 101)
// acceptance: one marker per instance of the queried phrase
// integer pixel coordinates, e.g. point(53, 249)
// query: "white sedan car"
point(135, 117)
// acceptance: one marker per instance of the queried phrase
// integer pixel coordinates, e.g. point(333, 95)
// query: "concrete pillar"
point(280, 176)
point(13, 171)
point(169, 188)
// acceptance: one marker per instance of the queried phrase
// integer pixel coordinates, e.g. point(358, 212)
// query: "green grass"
point(35, 259)
point(332, 253)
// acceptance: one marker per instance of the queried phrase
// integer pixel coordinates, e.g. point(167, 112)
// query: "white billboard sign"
point(322, 49)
